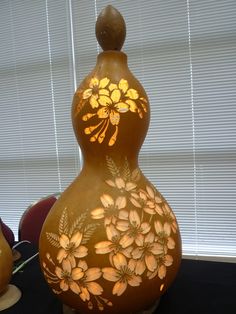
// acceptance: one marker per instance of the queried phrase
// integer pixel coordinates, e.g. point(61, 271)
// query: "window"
point(183, 53)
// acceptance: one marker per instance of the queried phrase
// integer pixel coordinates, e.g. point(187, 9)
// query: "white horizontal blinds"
point(85, 45)
point(183, 53)
point(157, 46)
point(37, 155)
point(213, 33)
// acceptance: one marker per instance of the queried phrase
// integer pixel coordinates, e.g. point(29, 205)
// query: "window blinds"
point(183, 53)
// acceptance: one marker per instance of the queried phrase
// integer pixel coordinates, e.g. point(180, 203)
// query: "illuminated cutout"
point(109, 102)
point(137, 241)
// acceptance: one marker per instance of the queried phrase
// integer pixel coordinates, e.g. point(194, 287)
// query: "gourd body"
point(111, 242)
point(6, 263)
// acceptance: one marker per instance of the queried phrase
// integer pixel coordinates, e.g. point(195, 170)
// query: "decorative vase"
point(111, 242)
point(9, 294)
point(7, 232)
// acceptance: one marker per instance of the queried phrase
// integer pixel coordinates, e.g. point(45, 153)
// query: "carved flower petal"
point(123, 214)
point(61, 255)
point(162, 271)
point(64, 285)
point(103, 92)
point(114, 117)
point(93, 101)
point(137, 253)
point(145, 226)
point(94, 288)
point(132, 93)
point(107, 200)
point(103, 247)
point(77, 273)
point(81, 251)
point(132, 105)
point(134, 281)
point(112, 86)
point(122, 107)
point(64, 241)
point(59, 272)
point(104, 82)
point(110, 274)
point(123, 85)
point(93, 274)
point(112, 233)
point(119, 261)
point(122, 225)
point(157, 249)
point(93, 82)
point(150, 191)
point(170, 243)
point(140, 267)
point(135, 202)
point(104, 100)
point(120, 202)
point(66, 265)
point(76, 238)
point(84, 294)
point(119, 288)
point(87, 93)
point(82, 264)
point(75, 287)
point(120, 183)
point(126, 241)
point(168, 260)
point(130, 186)
point(158, 226)
point(111, 183)
point(151, 262)
point(115, 95)
point(139, 240)
point(167, 229)
point(97, 213)
point(149, 238)
point(103, 113)
point(149, 210)
point(134, 218)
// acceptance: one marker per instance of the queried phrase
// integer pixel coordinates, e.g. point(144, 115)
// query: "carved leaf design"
point(136, 174)
point(88, 232)
point(63, 223)
point(53, 239)
point(126, 171)
point(78, 223)
point(113, 169)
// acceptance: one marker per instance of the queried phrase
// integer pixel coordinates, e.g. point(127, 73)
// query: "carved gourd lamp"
point(9, 294)
point(111, 242)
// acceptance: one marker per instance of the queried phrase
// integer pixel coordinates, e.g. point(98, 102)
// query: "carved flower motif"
point(71, 248)
point(110, 210)
point(163, 233)
point(112, 245)
point(169, 217)
point(87, 282)
point(133, 228)
point(69, 276)
point(145, 254)
point(163, 262)
point(123, 274)
point(96, 89)
point(148, 200)
point(112, 100)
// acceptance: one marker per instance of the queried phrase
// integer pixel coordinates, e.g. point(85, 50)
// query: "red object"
point(7, 232)
point(33, 218)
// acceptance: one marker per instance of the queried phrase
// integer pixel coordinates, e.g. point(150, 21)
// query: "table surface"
point(200, 288)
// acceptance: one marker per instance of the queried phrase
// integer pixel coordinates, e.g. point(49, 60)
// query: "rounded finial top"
point(110, 29)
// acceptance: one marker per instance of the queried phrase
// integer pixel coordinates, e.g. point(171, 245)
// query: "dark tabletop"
point(200, 288)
